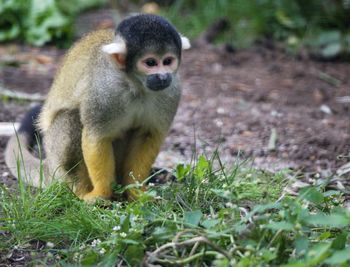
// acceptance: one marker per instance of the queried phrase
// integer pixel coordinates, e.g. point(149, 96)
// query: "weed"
point(210, 216)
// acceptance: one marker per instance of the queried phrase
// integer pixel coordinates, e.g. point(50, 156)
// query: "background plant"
point(38, 22)
point(320, 25)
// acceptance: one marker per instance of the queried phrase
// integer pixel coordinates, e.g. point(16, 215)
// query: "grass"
point(210, 216)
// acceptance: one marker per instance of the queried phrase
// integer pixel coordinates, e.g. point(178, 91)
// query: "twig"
point(274, 238)
point(154, 256)
point(272, 141)
point(344, 169)
point(188, 259)
point(343, 99)
point(8, 128)
point(328, 78)
point(194, 248)
point(20, 95)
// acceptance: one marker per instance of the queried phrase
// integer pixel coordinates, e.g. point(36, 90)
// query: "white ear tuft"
point(117, 47)
point(185, 43)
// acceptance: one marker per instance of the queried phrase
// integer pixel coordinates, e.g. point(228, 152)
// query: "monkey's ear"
point(117, 50)
point(185, 43)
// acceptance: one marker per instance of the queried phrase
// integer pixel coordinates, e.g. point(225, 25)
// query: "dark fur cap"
point(146, 31)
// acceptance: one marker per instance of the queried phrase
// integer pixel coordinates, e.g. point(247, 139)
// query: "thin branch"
point(8, 128)
point(20, 95)
point(154, 256)
point(181, 262)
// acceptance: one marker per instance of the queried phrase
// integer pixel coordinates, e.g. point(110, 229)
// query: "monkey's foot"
point(94, 196)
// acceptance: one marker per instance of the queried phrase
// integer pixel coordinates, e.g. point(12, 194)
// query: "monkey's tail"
point(18, 157)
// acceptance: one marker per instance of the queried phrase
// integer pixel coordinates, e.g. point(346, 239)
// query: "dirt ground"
point(233, 102)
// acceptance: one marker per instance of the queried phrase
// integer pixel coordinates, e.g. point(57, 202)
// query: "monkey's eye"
point(150, 62)
point(168, 61)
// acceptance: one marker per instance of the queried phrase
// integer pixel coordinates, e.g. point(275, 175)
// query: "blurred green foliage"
point(321, 25)
point(40, 21)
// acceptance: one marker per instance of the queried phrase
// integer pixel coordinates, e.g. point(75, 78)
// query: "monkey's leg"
point(141, 153)
point(63, 151)
point(99, 160)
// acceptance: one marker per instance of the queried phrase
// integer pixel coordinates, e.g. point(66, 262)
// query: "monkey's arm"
point(142, 151)
point(99, 159)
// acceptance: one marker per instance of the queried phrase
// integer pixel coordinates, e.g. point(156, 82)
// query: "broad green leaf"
point(329, 37)
point(340, 241)
point(182, 170)
point(318, 253)
point(209, 223)
point(125, 223)
point(339, 257)
point(162, 233)
point(227, 194)
point(324, 236)
point(90, 258)
point(280, 226)
point(332, 220)
point(201, 168)
point(130, 242)
point(301, 245)
point(268, 255)
point(265, 207)
point(110, 260)
point(331, 50)
point(134, 254)
point(297, 264)
point(193, 217)
point(312, 195)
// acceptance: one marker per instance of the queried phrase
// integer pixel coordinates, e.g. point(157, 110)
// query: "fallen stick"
point(273, 140)
point(343, 99)
point(20, 95)
point(328, 78)
point(8, 128)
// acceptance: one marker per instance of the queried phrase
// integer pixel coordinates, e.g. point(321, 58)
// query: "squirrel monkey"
point(109, 108)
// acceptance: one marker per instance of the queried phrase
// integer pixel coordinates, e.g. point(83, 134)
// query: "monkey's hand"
point(143, 150)
point(99, 159)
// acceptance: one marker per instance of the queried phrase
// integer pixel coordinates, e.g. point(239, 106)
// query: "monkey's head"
point(148, 48)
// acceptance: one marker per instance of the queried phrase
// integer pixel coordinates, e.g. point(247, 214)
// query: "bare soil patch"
point(238, 100)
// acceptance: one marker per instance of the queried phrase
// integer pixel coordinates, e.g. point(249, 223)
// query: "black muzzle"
point(158, 81)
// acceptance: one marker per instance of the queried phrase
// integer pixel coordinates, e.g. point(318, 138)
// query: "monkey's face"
point(148, 49)
point(156, 72)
